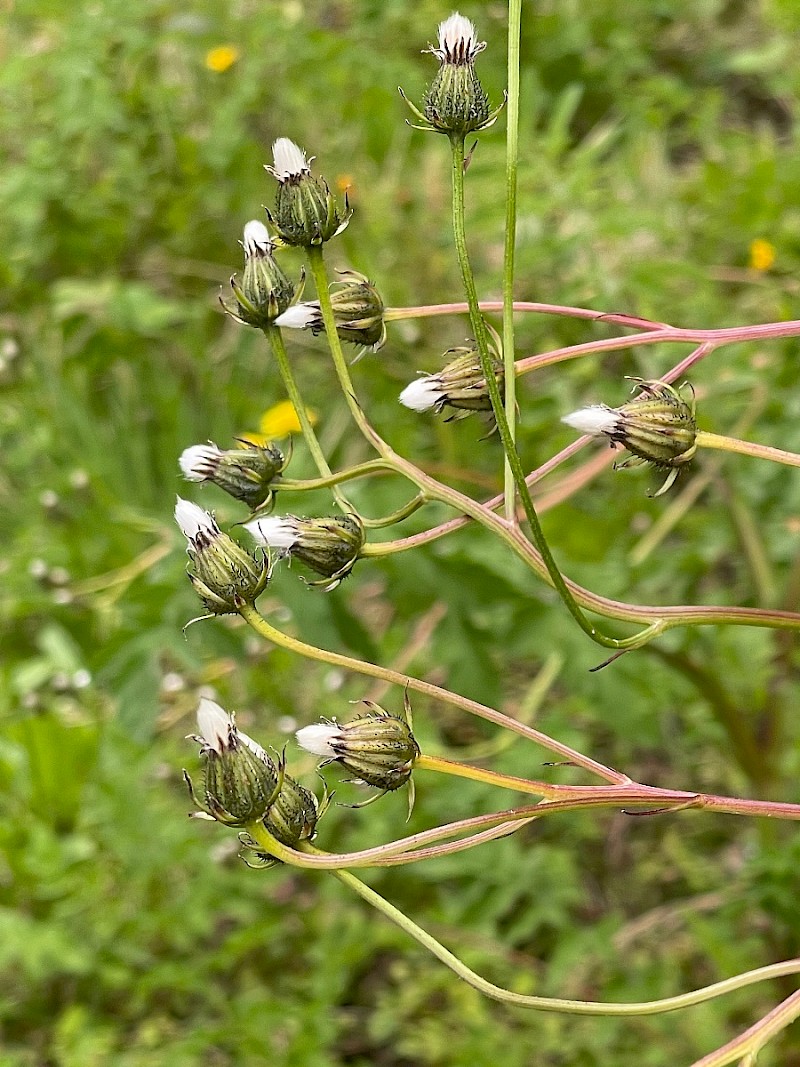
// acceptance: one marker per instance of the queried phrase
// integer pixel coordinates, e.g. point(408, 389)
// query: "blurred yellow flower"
point(762, 254)
point(222, 58)
point(278, 421)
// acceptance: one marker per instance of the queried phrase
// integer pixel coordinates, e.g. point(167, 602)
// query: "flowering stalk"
point(273, 335)
point(747, 448)
point(512, 153)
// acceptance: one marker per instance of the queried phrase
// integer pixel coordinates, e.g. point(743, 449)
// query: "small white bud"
point(196, 461)
point(289, 160)
point(273, 531)
point(318, 738)
point(299, 316)
point(194, 521)
point(214, 725)
point(422, 394)
point(595, 420)
point(257, 240)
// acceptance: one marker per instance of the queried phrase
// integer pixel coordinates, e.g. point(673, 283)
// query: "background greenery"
point(655, 149)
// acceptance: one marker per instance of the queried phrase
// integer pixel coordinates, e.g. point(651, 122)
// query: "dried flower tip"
point(257, 241)
point(289, 161)
point(240, 779)
point(357, 308)
point(596, 420)
point(248, 473)
point(423, 393)
point(457, 41)
point(327, 546)
point(301, 317)
point(459, 385)
point(223, 574)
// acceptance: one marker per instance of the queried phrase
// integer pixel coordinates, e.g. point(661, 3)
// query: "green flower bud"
point(377, 747)
point(357, 308)
point(459, 385)
point(292, 815)
point(327, 546)
point(248, 473)
point(658, 426)
point(456, 103)
point(223, 574)
point(240, 779)
point(265, 291)
point(306, 212)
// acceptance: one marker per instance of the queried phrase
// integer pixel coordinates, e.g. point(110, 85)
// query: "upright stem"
point(284, 366)
point(512, 153)
point(747, 448)
point(510, 449)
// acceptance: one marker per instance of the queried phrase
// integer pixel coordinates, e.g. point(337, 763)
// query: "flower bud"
point(327, 546)
point(306, 212)
point(292, 815)
point(377, 747)
point(456, 103)
point(658, 426)
point(223, 574)
point(247, 473)
point(265, 291)
point(357, 308)
point(240, 779)
point(459, 385)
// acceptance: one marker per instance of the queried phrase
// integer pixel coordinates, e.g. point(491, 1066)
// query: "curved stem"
point(361, 470)
point(746, 448)
point(512, 456)
point(512, 153)
point(275, 339)
point(254, 619)
point(426, 311)
point(748, 1043)
point(556, 1004)
point(396, 516)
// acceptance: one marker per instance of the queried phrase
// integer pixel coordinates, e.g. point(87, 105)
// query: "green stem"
point(480, 774)
point(512, 456)
point(282, 359)
point(512, 153)
point(361, 470)
point(557, 1004)
point(254, 619)
point(746, 448)
point(396, 516)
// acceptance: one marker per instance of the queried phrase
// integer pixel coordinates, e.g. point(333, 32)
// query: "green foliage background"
point(656, 146)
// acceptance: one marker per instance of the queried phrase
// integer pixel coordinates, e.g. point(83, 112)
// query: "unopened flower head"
point(292, 816)
point(378, 748)
point(265, 291)
point(223, 574)
point(306, 212)
point(328, 546)
point(658, 426)
point(240, 780)
point(357, 308)
point(459, 385)
point(248, 473)
point(456, 103)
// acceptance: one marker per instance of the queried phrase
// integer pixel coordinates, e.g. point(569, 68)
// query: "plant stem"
point(512, 154)
point(747, 1044)
point(557, 1004)
point(512, 456)
point(251, 615)
point(427, 311)
point(281, 358)
point(361, 470)
point(746, 448)
point(480, 774)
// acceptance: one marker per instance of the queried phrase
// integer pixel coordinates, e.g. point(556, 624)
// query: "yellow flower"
point(278, 421)
point(222, 58)
point(762, 254)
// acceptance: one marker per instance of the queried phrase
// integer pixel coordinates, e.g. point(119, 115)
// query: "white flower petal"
point(318, 738)
point(455, 30)
point(214, 725)
point(273, 531)
point(289, 160)
point(193, 520)
point(195, 461)
point(298, 316)
point(422, 394)
point(595, 420)
point(256, 239)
